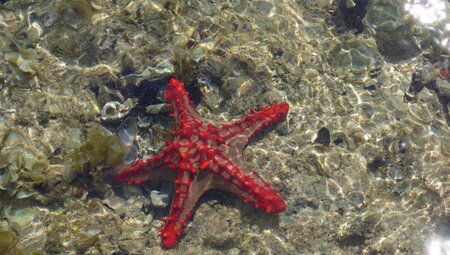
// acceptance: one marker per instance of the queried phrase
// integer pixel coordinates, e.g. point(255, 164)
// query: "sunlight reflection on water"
point(438, 246)
point(430, 13)
point(427, 12)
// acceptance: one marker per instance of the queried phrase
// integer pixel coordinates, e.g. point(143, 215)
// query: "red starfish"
point(204, 157)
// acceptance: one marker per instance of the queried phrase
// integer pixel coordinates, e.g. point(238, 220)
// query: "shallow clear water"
point(362, 160)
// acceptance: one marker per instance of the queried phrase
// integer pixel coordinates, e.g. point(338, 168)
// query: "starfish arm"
point(251, 186)
point(184, 109)
point(189, 188)
point(154, 169)
point(241, 131)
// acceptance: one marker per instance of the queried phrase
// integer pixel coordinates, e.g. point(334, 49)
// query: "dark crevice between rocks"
point(305, 203)
point(338, 141)
point(151, 92)
point(121, 252)
point(352, 240)
point(375, 165)
point(346, 18)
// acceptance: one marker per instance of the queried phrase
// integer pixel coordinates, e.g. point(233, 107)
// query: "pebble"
point(159, 198)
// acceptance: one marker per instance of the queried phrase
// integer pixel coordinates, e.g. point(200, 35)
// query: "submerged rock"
point(113, 110)
point(23, 60)
point(22, 217)
point(90, 238)
point(357, 55)
point(160, 198)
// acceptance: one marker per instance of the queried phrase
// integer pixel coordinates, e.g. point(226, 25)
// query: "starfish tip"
point(169, 239)
point(277, 205)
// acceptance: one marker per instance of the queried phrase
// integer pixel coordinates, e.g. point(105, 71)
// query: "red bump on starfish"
point(202, 157)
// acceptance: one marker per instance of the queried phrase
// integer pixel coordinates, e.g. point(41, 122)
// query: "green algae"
point(7, 240)
point(101, 149)
point(21, 167)
point(8, 244)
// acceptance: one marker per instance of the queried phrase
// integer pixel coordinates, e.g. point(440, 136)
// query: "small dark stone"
point(312, 205)
point(415, 87)
point(190, 43)
point(338, 141)
point(323, 137)
point(43, 118)
point(402, 146)
point(57, 152)
point(126, 70)
point(375, 165)
point(371, 88)
point(352, 240)
point(409, 98)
